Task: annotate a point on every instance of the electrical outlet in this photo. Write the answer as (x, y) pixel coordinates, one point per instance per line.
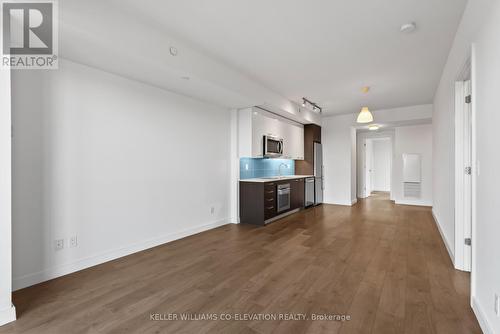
(497, 305)
(73, 241)
(58, 244)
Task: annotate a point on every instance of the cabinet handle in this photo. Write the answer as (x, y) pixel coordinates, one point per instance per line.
(270, 199)
(270, 207)
(270, 192)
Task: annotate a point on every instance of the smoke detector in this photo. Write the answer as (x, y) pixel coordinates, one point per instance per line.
(173, 51)
(408, 27)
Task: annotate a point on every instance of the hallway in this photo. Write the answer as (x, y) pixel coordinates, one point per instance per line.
(383, 265)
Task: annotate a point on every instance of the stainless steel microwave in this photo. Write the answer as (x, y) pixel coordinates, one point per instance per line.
(273, 146)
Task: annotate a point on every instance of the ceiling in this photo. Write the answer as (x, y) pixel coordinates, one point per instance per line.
(325, 50)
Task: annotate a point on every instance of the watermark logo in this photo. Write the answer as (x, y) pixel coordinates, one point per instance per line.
(29, 34)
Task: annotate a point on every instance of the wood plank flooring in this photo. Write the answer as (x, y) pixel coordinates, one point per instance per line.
(382, 264)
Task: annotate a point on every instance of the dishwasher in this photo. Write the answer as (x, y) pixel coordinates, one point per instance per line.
(309, 191)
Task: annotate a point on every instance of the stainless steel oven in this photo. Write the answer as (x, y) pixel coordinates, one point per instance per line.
(283, 197)
(273, 146)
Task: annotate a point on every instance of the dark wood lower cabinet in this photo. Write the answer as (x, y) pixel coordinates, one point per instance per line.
(297, 193)
(258, 200)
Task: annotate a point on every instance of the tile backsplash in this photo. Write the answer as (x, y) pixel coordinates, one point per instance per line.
(253, 167)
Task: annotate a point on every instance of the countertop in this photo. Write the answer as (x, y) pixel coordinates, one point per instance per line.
(274, 179)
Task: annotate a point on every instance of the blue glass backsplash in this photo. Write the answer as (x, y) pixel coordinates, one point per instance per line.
(252, 167)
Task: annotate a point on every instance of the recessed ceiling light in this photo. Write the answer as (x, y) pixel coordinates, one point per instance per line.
(365, 89)
(408, 27)
(373, 127)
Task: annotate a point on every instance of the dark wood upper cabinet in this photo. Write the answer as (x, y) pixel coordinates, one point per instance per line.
(312, 134)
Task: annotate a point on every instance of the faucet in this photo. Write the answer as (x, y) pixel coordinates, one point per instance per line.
(279, 168)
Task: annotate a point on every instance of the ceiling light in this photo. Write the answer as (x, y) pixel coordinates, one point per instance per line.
(408, 27)
(365, 116)
(365, 89)
(173, 51)
(314, 106)
(373, 127)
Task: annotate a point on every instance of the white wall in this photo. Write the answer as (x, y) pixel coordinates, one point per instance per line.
(336, 137)
(381, 165)
(123, 165)
(7, 311)
(479, 26)
(339, 148)
(487, 231)
(418, 140)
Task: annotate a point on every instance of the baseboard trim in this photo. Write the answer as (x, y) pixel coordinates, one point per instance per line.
(338, 203)
(68, 268)
(7, 315)
(413, 203)
(354, 201)
(481, 317)
(445, 240)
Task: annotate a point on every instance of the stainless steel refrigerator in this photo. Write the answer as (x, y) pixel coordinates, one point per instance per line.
(318, 174)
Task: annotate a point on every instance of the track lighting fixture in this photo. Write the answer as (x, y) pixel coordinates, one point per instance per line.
(315, 107)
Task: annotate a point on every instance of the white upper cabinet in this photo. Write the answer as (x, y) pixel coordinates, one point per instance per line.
(254, 124)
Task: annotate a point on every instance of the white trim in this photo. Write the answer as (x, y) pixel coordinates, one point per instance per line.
(68, 268)
(475, 172)
(446, 242)
(481, 317)
(463, 182)
(413, 202)
(7, 315)
(354, 201)
(459, 175)
(338, 203)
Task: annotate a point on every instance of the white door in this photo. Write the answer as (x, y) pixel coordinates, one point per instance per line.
(467, 175)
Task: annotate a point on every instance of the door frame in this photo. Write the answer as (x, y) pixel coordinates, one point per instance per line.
(361, 137)
(464, 191)
(367, 168)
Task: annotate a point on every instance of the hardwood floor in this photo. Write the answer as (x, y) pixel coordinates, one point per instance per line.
(383, 265)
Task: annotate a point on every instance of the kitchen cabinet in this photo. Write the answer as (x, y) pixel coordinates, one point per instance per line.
(258, 200)
(297, 193)
(293, 142)
(312, 134)
(255, 123)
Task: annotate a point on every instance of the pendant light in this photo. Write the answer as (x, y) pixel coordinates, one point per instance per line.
(365, 116)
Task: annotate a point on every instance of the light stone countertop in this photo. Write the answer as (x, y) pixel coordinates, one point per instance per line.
(276, 178)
